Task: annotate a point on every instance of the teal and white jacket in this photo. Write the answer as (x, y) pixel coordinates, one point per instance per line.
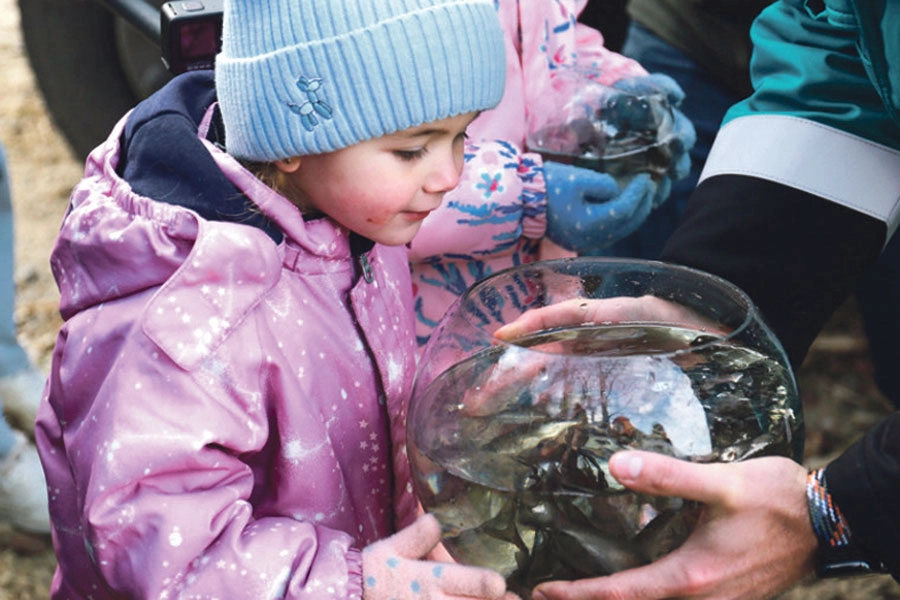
(825, 114)
(800, 194)
(801, 189)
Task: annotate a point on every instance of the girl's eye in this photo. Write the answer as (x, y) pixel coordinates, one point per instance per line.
(410, 155)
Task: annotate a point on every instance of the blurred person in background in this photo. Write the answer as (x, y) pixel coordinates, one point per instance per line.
(23, 491)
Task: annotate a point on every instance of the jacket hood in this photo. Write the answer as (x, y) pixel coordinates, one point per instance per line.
(163, 157)
(159, 191)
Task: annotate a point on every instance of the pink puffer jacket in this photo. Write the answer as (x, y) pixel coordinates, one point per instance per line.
(217, 421)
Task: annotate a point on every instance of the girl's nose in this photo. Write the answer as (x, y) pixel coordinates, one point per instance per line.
(445, 172)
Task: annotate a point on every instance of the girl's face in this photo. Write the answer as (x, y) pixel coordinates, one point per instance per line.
(384, 188)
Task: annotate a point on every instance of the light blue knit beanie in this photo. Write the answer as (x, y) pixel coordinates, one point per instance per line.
(298, 77)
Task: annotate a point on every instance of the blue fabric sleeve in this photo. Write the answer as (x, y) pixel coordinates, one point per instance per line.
(822, 67)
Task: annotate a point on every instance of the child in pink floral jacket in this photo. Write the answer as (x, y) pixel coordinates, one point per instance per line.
(498, 215)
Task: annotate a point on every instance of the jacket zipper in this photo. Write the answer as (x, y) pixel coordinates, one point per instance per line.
(365, 268)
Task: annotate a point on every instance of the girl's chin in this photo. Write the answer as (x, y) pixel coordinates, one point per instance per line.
(399, 237)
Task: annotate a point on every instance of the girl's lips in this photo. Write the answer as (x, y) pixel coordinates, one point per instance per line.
(417, 215)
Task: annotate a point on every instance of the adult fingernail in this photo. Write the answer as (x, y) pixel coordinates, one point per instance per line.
(505, 332)
(630, 465)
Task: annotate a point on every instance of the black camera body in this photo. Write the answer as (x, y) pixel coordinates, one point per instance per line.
(190, 34)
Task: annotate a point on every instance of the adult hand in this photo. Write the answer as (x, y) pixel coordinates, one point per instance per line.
(586, 210)
(584, 311)
(754, 538)
(495, 388)
(393, 569)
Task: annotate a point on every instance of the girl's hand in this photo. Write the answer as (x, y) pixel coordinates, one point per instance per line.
(393, 569)
(586, 210)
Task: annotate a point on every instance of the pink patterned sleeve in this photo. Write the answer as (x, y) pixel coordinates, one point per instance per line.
(610, 66)
(499, 199)
(552, 40)
(494, 219)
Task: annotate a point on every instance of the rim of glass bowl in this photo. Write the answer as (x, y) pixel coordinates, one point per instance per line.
(568, 265)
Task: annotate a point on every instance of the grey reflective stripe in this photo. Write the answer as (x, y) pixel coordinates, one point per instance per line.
(812, 157)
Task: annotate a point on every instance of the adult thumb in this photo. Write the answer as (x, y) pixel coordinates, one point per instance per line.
(661, 475)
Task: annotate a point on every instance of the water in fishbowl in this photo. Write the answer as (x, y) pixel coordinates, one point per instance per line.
(515, 462)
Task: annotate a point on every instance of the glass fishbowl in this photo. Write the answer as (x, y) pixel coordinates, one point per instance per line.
(539, 373)
(604, 128)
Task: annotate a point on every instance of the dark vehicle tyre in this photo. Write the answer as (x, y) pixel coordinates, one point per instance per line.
(90, 65)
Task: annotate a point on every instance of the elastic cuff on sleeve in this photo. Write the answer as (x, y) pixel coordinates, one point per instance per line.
(355, 574)
(534, 196)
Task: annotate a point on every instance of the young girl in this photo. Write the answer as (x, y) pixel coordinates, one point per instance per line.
(226, 408)
(510, 205)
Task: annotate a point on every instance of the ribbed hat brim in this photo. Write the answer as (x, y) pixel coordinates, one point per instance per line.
(429, 61)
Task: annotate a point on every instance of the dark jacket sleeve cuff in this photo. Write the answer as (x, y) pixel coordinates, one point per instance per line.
(864, 482)
(797, 255)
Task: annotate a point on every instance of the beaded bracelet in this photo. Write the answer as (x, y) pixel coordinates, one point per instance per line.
(838, 555)
(828, 523)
